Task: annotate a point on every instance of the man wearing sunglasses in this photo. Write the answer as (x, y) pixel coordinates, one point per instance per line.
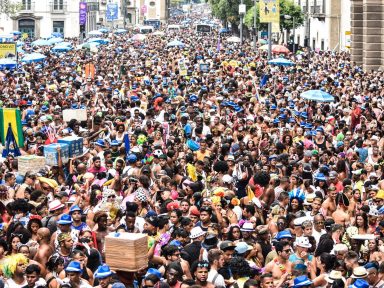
(280, 265)
(201, 274)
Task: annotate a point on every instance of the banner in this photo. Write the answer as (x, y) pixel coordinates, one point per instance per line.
(276, 27)
(112, 12)
(11, 116)
(82, 13)
(269, 11)
(7, 50)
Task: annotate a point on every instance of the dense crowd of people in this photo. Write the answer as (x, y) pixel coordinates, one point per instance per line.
(236, 180)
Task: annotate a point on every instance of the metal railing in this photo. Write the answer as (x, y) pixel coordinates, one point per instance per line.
(58, 7)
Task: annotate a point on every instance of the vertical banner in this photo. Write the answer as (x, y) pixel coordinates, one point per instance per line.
(112, 12)
(269, 11)
(82, 13)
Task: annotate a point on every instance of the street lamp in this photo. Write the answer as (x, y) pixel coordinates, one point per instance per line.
(293, 28)
(242, 11)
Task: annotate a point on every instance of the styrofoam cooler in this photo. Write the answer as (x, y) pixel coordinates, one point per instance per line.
(51, 155)
(30, 163)
(75, 145)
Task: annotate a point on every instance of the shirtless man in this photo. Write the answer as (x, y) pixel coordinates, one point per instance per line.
(341, 215)
(45, 249)
(329, 205)
(279, 266)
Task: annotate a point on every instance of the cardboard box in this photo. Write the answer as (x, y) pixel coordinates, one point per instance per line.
(75, 145)
(127, 251)
(78, 114)
(51, 155)
(30, 163)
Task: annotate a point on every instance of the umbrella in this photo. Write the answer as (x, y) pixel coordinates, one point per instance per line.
(55, 40)
(65, 44)
(98, 40)
(281, 62)
(19, 43)
(57, 35)
(6, 63)
(33, 57)
(121, 31)
(263, 41)
(95, 33)
(175, 43)
(103, 30)
(317, 95)
(41, 42)
(223, 30)
(276, 49)
(158, 33)
(19, 50)
(234, 39)
(139, 37)
(11, 146)
(61, 48)
(16, 33)
(88, 45)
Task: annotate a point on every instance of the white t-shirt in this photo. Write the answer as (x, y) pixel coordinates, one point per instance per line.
(219, 281)
(12, 284)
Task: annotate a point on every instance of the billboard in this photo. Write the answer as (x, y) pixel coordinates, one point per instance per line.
(112, 12)
(7, 50)
(269, 11)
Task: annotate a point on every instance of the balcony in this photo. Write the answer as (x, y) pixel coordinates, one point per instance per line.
(58, 9)
(27, 7)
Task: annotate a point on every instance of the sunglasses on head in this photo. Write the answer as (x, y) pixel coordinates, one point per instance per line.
(202, 265)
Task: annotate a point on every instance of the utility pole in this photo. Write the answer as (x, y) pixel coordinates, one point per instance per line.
(293, 48)
(269, 40)
(124, 13)
(241, 21)
(254, 26)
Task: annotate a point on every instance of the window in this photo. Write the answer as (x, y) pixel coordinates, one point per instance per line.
(58, 26)
(26, 5)
(58, 4)
(152, 3)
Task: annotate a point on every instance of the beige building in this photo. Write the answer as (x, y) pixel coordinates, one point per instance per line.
(367, 45)
(140, 10)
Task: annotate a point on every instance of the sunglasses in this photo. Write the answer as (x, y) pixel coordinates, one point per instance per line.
(203, 265)
(111, 196)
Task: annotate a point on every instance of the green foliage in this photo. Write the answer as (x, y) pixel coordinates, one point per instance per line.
(287, 7)
(228, 10)
(9, 7)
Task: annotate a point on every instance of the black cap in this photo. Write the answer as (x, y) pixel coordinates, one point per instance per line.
(227, 245)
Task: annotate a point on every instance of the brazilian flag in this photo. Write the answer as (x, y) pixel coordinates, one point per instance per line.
(11, 117)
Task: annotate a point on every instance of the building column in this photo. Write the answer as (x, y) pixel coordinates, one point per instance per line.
(357, 31)
(372, 34)
(334, 25)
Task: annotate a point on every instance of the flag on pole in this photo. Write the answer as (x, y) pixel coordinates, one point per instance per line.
(264, 80)
(11, 116)
(127, 144)
(10, 144)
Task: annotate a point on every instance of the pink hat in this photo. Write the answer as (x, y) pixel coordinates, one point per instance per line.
(54, 205)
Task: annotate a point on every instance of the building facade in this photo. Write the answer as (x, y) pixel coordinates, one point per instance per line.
(367, 43)
(40, 18)
(326, 26)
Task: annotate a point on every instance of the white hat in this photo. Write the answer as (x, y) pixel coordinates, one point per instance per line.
(247, 227)
(340, 247)
(54, 205)
(227, 179)
(359, 272)
(334, 275)
(196, 232)
(303, 242)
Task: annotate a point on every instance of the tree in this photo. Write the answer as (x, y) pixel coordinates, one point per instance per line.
(9, 8)
(228, 11)
(287, 7)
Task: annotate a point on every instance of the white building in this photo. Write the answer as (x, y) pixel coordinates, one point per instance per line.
(40, 18)
(328, 24)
